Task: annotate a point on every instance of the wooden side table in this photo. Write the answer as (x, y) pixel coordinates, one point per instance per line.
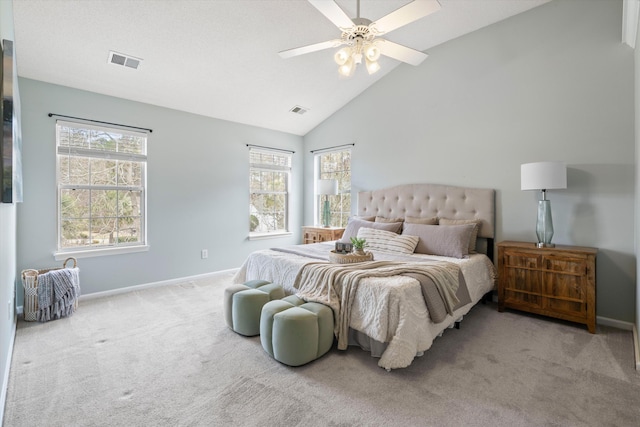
(315, 234)
(558, 282)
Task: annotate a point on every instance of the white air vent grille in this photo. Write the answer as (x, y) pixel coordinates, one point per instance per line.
(124, 60)
(299, 110)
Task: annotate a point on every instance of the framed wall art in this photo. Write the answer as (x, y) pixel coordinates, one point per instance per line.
(11, 144)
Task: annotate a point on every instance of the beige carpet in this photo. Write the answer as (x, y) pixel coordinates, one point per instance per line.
(164, 357)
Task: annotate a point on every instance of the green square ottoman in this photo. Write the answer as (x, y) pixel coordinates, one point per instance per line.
(295, 332)
(243, 304)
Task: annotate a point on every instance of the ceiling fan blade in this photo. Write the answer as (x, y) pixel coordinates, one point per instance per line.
(332, 11)
(309, 48)
(401, 53)
(406, 14)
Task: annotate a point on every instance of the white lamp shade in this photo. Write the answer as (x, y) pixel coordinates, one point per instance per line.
(543, 176)
(327, 187)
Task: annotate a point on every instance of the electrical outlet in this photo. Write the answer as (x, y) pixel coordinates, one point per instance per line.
(10, 310)
(204, 254)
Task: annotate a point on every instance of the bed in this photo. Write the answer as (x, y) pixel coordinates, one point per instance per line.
(390, 316)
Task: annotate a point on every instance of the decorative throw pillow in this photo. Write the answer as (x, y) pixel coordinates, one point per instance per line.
(474, 233)
(420, 220)
(383, 219)
(354, 225)
(443, 240)
(388, 241)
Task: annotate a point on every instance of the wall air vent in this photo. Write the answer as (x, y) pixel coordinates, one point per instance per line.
(124, 60)
(299, 110)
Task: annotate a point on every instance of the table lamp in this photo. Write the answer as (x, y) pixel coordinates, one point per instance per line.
(543, 176)
(326, 188)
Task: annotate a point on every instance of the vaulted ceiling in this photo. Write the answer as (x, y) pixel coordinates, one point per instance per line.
(219, 58)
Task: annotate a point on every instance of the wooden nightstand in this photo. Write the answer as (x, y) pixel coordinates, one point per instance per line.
(313, 234)
(557, 282)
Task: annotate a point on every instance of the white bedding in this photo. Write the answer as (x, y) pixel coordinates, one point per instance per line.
(389, 310)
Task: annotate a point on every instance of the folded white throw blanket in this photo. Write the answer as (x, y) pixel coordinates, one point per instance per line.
(335, 285)
(58, 291)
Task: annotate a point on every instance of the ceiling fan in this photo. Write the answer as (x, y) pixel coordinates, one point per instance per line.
(361, 36)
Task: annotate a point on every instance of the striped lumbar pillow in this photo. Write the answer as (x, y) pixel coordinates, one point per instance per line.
(388, 241)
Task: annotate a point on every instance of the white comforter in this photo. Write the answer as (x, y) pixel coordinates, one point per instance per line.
(389, 310)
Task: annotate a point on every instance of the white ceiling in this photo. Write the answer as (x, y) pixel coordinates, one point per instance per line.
(219, 58)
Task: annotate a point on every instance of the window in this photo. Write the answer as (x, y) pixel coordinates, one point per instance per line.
(101, 174)
(269, 176)
(335, 165)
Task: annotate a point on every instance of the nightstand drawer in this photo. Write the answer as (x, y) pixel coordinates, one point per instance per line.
(576, 266)
(518, 259)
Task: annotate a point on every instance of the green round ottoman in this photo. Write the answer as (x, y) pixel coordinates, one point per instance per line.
(295, 332)
(243, 304)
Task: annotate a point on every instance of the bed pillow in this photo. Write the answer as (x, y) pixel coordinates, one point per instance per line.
(383, 219)
(364, 218)
(444, 240)
(474, 233)
(388, 241)
(354, 225)
(420, 220)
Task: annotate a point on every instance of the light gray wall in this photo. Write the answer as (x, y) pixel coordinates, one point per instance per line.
(8, 273)
(554, 83)
(197, 198)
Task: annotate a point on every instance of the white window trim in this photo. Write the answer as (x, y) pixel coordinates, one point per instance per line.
(271, 235)
(88, 252)
(286, 231)
(100, 251)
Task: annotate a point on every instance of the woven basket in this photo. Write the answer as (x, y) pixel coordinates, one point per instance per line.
(351, 258)
(30, 284)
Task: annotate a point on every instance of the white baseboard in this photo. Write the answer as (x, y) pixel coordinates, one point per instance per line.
(7, 371)
(636, 347)
(614, 323)
(627, 326)
(147, 286)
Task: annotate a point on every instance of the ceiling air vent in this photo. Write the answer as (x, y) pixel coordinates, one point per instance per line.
(299, 110)
(124, 60)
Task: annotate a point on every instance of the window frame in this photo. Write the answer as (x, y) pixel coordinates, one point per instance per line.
(287, 170)
(342, 193)
(115, 248)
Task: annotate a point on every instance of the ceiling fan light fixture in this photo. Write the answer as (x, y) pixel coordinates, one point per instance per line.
(359, 36)
(372, 52)
(372, 66)
(342, 55)
(347, 68)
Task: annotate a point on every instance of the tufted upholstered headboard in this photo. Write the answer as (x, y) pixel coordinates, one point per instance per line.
(430, 200)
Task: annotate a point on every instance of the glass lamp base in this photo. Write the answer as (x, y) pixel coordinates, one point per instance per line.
(544, 226)
(326, 215)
